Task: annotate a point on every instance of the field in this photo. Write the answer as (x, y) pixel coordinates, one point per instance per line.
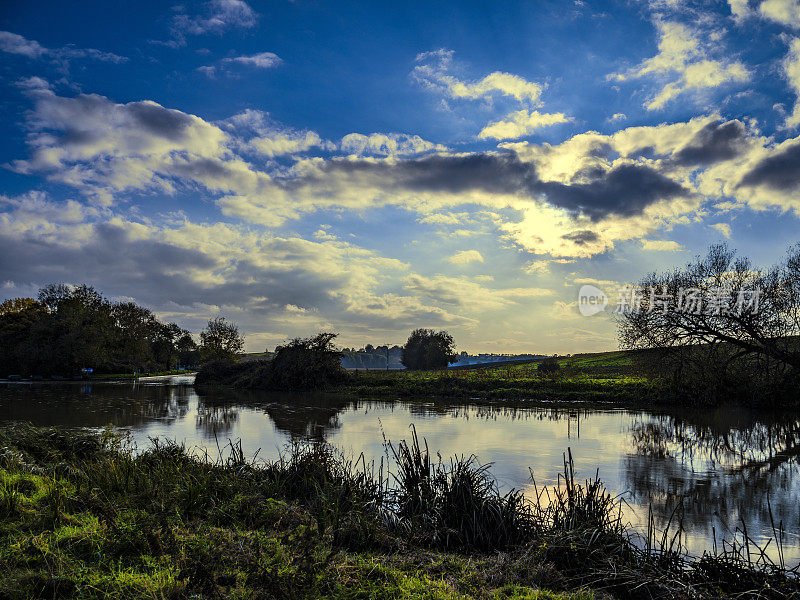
(607, 376)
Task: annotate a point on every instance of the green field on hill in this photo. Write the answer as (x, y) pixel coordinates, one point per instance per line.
(604, 376)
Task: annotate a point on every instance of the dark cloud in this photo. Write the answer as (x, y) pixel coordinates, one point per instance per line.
(780, 171)
(202, 168)
(625, 190)
(582, 237)
(156, 274)
(715, 142)
(164, 122)
(499, 173)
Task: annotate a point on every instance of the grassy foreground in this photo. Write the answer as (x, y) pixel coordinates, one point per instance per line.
(81, 516)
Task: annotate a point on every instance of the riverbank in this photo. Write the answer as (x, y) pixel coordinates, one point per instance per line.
(607, 378)
(83, 516)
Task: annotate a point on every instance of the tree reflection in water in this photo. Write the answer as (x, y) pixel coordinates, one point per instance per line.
(301, 416)
(732, 464)
(91, 405)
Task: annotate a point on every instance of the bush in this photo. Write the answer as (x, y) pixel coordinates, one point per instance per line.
(222, 372)
(307, 364)
(302, 364)
(549, 366)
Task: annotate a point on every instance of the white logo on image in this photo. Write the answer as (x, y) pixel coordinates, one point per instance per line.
(591, 300)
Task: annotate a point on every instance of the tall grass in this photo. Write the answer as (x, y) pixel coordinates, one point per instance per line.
(150, 499)
(455, 503)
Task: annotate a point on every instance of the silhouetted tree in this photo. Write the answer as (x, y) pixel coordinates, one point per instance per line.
(428, 349)
(70, 327)
(220, 340)
(188, 350)
(721, 323)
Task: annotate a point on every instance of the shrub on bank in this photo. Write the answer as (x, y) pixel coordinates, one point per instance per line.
(302, 364)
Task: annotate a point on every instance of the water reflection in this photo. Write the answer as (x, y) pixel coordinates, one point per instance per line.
(722, 469)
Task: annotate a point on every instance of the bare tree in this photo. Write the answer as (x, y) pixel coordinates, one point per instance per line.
(719, 314)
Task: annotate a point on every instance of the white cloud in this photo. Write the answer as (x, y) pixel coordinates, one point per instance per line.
(574, 199)
(464, 257)
(791, 70)
(254, 131)
(387, 144)
(263, 60)
(107, 147)
(785, 12)
(723, 228)
(684, 64)
(218, 17)
(740, 9)
(433, 72)
(16, 44)
(520, 124)
(661, 246)
(537, 267)
(13, 43)
(468, 293)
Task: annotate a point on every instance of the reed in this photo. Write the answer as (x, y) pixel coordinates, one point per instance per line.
(84, 514)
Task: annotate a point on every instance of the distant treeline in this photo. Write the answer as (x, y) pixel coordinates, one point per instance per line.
(65, 329)
(372, 357)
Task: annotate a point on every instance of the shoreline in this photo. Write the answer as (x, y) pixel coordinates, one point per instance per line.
(313, 525)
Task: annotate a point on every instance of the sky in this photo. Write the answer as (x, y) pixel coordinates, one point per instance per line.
(370, 168)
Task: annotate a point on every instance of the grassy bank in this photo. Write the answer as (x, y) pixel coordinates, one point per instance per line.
(615, 377)
(609, 376)
(81, 516)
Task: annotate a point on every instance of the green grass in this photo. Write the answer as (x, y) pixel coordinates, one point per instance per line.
(601, 377)
(81, 516)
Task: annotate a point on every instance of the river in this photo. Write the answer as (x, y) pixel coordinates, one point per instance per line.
(723, 469)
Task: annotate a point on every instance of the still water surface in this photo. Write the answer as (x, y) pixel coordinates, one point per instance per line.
(725, 467)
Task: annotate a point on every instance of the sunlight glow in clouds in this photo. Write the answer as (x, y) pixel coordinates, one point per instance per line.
(206, 162)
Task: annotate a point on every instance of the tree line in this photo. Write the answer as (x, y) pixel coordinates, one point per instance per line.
(65, 329)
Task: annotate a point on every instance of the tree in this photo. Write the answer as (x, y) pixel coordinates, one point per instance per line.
(70, 327)
(548, 366)
(77, 330)
(188, 351)
(220, 340)
(17, 318)
(721, 319)
(428, 349)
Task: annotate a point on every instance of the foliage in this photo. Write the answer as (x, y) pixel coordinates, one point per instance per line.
(220, 340)
(548, 366)
(428, 349)
(302, 364)
(68, 328)
(307, 363)
(456, 504)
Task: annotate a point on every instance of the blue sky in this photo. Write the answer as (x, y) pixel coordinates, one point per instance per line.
(304, 165)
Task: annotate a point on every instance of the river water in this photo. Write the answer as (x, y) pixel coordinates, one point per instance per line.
(724, 470)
